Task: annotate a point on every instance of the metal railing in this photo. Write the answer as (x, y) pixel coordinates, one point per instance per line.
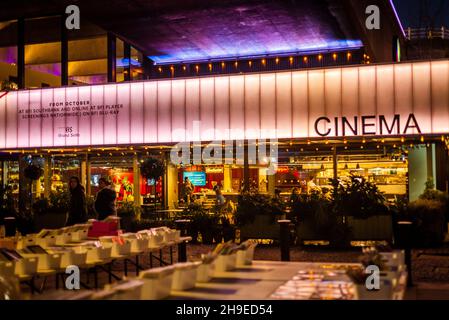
(427, 33)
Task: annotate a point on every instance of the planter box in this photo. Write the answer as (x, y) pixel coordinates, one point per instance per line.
(262, 227)
(50, 221)
(373, 228)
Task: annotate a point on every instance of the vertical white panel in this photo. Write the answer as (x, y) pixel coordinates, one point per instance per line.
(268, 105)
(316, 102)
(385, 97)
(123, 116)
(222, 108)
(350, 98)
(333, 96)
(300, 104)
(23, 123)
(47, 136)
(367, 90)
(2, 121)
(422, 97)
(164, 111)
(207, 108)
(110, 122)
(440, 96)
(192, 109)
(150, 104)
(178, 110)
(403, 90)
(97, 120)
(252, 105)
(59, 123)
(72, 120)
(11, 119)
(136, 112)
(36, 123)
(237, 105)
(284, 104)
(85, 119)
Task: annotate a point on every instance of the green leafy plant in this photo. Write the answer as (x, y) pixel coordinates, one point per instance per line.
(314, 214)
(59, 201)
(202, 222)
(128, 212)
(428, 218)
(225, 223)
(358, 198)
(128, 209)
(251, 204)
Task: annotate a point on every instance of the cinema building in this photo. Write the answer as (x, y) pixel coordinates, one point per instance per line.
(113, 97)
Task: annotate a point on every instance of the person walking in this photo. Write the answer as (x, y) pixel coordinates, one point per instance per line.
(77, 210)
(105, 200)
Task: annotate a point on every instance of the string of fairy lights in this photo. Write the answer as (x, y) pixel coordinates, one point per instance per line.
(263, 63)
(287, 145)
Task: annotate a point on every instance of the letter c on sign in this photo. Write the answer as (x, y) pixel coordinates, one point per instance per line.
(316, 126)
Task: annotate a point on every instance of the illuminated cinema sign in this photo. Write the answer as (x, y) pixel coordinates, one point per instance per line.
(366, 125)
(388, 99)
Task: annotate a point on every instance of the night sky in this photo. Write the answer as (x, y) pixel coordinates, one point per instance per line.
(423, 13)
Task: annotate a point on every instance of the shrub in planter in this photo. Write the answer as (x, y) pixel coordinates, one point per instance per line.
(201, 222)
(428, 217)
(251, 204)
(128, 213)
(51, 213)
(437, 195)
(358, 198)
(226, 225)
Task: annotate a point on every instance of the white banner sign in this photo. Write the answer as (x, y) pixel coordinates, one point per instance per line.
(395, 99)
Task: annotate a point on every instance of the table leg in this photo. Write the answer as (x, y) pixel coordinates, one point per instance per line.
(182, 251)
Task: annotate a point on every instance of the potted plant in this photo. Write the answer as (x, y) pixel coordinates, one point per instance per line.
(225, 222)
(363, 208)
(51, 213)
(311, 213)
(128, 213)
(202, 222)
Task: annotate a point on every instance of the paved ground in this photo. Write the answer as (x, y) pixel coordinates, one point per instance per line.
(430, 270)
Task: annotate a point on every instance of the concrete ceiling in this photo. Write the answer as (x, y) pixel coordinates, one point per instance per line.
(187, 30)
